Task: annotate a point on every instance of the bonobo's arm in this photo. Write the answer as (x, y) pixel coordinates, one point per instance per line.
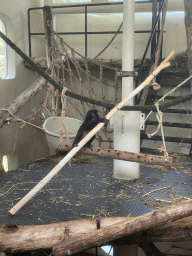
(91, 124)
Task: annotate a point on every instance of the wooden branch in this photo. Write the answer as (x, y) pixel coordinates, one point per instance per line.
(21, 100)
(121, 155)
(116, 231)
(16, 238)
(67, 158)
(48, 27)
(150, 249)
(188, 26)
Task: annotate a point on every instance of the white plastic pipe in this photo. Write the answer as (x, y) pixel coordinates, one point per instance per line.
(127, 124)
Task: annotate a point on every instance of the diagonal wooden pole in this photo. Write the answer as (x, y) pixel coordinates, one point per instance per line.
(58, 167)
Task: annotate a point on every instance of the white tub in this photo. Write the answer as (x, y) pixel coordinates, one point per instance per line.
(53, 125)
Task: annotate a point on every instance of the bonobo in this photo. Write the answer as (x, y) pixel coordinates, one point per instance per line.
(91, 120)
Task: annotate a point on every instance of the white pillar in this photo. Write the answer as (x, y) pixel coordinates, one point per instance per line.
(127, 123)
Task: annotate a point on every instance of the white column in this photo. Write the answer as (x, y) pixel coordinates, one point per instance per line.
(127, 123)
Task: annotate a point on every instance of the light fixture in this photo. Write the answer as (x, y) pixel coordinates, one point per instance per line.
(9, 163)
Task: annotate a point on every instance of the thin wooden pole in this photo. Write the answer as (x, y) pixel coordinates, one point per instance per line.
(58, 167)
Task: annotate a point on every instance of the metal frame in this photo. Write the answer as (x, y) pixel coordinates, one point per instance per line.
(153, 39)
(86, 33)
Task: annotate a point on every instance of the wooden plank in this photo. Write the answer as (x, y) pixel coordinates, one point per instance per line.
(121, 155)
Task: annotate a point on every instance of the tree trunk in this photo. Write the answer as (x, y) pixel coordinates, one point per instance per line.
(128, 227)
(179, 230)
(48, 27)
(16, 238)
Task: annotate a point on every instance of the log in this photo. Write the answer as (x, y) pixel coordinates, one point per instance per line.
(68, 157)
(128, 227)
(42, 237)
(179, 230)
(188, 26)
(48, 27)
(15, 106)
(15, 238)
(150, 249)
(121, 155)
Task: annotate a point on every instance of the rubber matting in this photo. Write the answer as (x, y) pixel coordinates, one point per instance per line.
(88, 190)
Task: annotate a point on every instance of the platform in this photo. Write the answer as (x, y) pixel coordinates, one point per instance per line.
(87, 190)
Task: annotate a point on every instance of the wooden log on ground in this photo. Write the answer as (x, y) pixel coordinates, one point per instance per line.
(116, 231)
(21, 100)
(121, 155)
(16, 238)
(180, 230)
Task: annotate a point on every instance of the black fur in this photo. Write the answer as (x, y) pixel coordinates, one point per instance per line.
(91, 120)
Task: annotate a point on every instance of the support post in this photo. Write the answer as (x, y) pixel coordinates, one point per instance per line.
(127, 124)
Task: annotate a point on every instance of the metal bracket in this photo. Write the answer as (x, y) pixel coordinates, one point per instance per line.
(127, 73)
(142, 121)
(8, 120)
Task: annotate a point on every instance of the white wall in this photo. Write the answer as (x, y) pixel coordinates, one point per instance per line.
(29, 144)
(174, 38)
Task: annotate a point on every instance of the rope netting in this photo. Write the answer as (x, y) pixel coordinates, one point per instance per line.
(87, 83)
(85, 77)
(82, 76)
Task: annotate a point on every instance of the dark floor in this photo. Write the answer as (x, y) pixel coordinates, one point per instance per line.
(88, 189)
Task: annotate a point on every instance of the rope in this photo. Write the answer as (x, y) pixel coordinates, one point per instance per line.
(17, 119)
(31, 63)
(161, 36)
(61, 71)
(109, 42)
(159, 117)
(87, 99)
(173, 102)
(155, 85)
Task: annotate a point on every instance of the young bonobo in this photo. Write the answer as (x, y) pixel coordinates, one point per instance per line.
(91, 120)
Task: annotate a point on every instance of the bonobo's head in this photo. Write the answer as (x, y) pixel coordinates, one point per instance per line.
(92, 114)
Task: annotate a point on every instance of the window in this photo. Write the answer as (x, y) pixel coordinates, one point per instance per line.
(7, 54)
(3, 50)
